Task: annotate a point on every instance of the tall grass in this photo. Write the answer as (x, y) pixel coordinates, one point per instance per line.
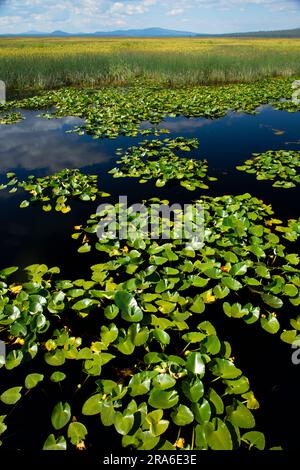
(44, 65)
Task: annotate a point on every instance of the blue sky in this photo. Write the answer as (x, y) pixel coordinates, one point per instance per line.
(203, 16)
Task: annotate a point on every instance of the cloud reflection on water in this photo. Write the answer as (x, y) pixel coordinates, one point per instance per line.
(38, 143)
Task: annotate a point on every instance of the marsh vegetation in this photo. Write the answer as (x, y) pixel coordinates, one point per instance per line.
(139, 345)
(41, 64)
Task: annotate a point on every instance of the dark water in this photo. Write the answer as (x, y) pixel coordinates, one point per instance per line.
(41, 147)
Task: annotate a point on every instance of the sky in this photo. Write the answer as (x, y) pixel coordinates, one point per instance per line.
(200, 16)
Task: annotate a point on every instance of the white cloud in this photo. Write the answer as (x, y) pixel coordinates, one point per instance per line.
(8, 20)
(175, 12)
(270, 4)
(131, 8)
(100, 15)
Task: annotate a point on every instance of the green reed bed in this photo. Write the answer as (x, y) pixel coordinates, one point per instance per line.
(218, 66)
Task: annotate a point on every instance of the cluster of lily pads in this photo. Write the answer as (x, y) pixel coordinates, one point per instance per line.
(151, 302)
(11, 118)
(157, 160)
(280, 166)
(135, 345)
(57, 189)
(114, 111)
(166, 401)
(242, 252)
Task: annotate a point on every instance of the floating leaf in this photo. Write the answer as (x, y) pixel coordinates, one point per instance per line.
(123, 423)
(11, 396)
(218, 436)
(61, 415)
(128, 305)
(76, 432)
(195, 364)
(157, 425)
(255, 439)
(272, 300)
(55, 444)
(58, 376)
(93, 405)
(240, 416)
(163, 399)
(270, 324)
(182, 416)
(32, 380)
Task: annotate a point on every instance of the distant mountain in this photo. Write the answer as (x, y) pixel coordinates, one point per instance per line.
(32, 32)
(148, 32)
(161, 32)
(41, 34)
(59, 33)
(285, 33)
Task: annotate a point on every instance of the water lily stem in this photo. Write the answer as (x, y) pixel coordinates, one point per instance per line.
(193, 439)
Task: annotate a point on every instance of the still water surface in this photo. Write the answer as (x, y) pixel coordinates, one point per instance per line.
(42, 147)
